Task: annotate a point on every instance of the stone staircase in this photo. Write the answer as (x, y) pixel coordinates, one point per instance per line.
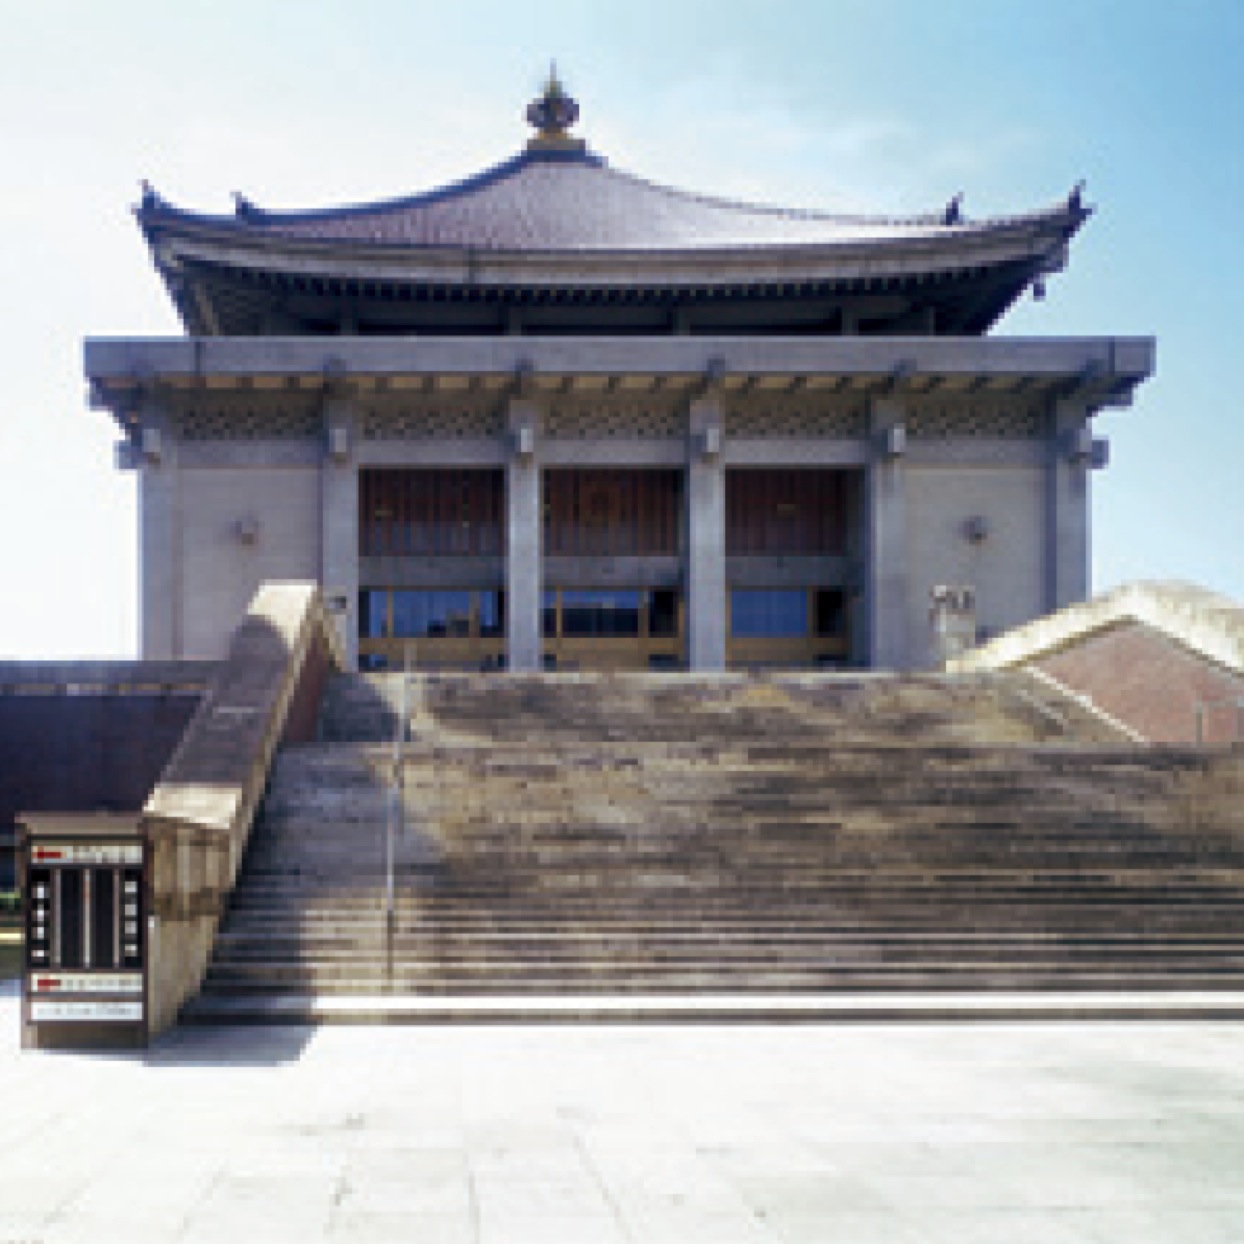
(658, 835)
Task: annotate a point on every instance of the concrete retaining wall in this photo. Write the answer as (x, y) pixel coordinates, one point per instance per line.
(88, 736)
(199, 816)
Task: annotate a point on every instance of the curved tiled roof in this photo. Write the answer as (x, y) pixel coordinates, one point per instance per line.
(573, 201)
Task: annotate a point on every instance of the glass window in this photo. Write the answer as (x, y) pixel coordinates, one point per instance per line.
(431, 615)
(492, 614)
(548, 612)
(831, 612)
(663, 613)
(588, 614)
(773, 614)
(372, 606)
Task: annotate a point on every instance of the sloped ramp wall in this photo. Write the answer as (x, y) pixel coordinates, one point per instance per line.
(1152, 682)
(1165, 659)
(199, 816)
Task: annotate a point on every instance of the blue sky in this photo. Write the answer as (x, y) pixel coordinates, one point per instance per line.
(888, 107)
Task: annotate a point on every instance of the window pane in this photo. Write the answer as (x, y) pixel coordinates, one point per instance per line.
(371, 614)
(548, 604)
(663, 613)
(451, 614)
(600, 614)
(492, 614)
(777, 614)
(831, 612)
(409, 614)
(431, 615)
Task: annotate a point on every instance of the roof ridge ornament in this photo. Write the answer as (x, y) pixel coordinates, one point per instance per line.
(552, 115)
(244, 208)
(152, 200)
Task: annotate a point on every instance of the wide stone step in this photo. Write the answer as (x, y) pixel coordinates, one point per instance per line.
(631, 956)
(616, 835)
(570, 890)
(919, 977)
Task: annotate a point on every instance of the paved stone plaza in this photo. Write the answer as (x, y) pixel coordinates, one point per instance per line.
(592, 1134)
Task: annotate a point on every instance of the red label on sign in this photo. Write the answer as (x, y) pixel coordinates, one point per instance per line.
(42, 853)
(46, 982)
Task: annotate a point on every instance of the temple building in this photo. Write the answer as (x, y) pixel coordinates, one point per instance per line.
(557, 416)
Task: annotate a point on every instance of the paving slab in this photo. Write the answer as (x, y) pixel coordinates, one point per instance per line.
(1038, 1130)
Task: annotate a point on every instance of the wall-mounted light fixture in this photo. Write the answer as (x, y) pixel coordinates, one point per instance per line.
(710, 443)
(339, 443)
(892, 442)
(151, 445)
(976, 529)
(246, 529)
(1084, 449)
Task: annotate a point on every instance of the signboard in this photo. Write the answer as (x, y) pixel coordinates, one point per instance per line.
(86, 930)
(93, 1012)
(86, 853)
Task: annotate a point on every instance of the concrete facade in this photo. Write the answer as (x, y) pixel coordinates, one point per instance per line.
(970, 462)
(977, 526)
(241, 528)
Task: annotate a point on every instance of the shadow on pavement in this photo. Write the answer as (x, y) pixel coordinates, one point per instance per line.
(234, 1045)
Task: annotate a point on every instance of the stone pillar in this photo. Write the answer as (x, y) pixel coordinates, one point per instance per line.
(1067, 491)
(339, 521)
(706, 536)
(523, 529)
(886, 586)
(159, 535)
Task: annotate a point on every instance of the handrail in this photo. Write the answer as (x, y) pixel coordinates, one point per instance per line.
(1201, 713)
(395, 817)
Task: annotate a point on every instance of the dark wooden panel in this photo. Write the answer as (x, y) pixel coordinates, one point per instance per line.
(431, 513)
(611, 513)
(796, 512)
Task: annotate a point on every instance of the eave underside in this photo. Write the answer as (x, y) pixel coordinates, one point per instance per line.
(218, 300)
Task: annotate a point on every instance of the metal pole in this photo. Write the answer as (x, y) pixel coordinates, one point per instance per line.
(393, 822)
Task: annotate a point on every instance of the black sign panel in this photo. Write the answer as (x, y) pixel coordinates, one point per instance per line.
(85, 932)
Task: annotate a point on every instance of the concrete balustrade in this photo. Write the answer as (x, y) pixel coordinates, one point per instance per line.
(199, 816)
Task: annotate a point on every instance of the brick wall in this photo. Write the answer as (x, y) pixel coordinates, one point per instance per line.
(1150, 682)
